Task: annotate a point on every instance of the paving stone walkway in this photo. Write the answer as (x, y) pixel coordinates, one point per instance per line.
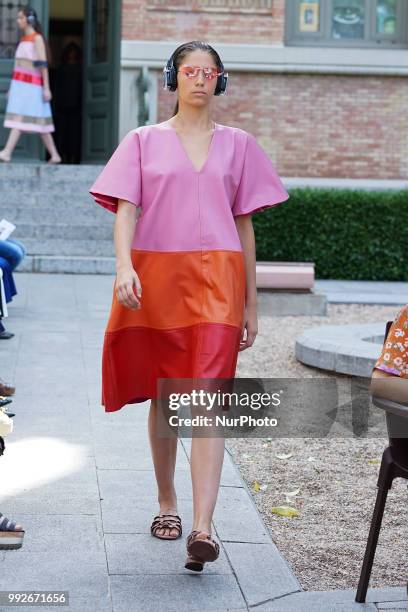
(82, 483)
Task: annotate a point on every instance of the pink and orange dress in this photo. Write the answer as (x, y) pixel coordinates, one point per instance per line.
(187, 253)
(26, 108)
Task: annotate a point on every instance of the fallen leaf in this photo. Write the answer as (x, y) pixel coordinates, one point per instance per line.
(283, 455)
(256, 486)
(374, 461)
(285, 511)
(290, 493)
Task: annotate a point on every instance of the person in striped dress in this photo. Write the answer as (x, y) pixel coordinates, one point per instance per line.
(28, 105)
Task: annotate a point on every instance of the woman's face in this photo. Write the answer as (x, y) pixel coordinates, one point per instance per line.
(188, 86)
(21, 20)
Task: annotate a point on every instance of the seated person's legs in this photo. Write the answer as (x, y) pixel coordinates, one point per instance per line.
(19, 244)
(390, 374)
(11, 252)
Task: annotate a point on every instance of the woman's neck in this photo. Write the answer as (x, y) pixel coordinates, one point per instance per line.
(28, 30)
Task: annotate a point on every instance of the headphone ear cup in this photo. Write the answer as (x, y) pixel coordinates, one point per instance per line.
(173, 79)
(31, 17)
(170, 76)
(221, 85)
(224, 82)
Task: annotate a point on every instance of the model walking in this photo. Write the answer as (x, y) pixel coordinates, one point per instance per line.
(28, 105)
(185, 290)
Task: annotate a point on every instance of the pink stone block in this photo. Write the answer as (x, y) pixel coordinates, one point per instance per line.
(285, 275)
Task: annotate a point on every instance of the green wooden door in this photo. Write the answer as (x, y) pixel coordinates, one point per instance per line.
(30, 146)
(100, 111)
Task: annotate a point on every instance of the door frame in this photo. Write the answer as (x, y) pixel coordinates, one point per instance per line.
(114, 48)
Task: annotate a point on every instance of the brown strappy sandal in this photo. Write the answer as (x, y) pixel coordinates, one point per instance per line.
(166, 521)
(200, 548)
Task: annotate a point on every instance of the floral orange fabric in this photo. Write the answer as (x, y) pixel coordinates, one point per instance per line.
(394, 355)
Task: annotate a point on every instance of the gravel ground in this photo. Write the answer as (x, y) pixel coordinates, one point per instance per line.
(337, 477)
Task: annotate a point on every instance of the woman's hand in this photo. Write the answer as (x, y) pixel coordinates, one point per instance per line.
(47, 95)
(251, 326)
(126, 280)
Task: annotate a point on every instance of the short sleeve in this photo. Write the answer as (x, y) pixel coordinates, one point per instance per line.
(260, 186)
(121, 176)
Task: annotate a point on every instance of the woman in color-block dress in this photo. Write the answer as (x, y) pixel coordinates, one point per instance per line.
(184, 300)
(28, 103)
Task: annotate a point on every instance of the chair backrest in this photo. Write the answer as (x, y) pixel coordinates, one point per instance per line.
(387, 329)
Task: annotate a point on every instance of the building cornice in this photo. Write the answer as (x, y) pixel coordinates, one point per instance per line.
(277, 58)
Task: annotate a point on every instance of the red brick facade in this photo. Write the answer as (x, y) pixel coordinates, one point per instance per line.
(312, 125)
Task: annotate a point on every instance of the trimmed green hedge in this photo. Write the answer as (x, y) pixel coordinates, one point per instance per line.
(348, 234)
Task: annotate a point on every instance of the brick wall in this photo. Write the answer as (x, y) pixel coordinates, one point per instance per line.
(310, 124)
(223, 20)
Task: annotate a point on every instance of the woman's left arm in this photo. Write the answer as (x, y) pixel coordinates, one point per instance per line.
(247, 237)
(42, 56)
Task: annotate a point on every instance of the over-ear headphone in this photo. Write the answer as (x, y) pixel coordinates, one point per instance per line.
(31, 16)
(170, 76)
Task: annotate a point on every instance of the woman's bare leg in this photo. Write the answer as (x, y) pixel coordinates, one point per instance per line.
(389, 386)
(51, 148)
(207, 456)
(12, 140)
(164, 455)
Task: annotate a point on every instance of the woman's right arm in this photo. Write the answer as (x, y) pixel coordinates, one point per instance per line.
(389, 386)
(126, 276)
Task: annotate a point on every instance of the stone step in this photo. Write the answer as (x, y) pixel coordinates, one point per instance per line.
(82, 215)
(48, 199)
(68, 264)
(61, 172)
(30, 181)
(28, 185)
(47, 231)
(71, 247)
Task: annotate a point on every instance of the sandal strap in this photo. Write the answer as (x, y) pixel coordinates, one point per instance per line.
(194, 534)
(175, 516)
(172, 519)
(166, 524)
(159, 522)
(7, 524)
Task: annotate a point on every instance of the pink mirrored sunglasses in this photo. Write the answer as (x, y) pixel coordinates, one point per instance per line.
(192, 71)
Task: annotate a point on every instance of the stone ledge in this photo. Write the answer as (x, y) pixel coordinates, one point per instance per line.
(272, 302)
(347, 349)
(285, 275)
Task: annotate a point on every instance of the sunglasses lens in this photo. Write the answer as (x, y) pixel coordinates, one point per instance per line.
(192, 71)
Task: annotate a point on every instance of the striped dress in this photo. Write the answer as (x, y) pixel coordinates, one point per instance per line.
(187, 253)
(26, 108)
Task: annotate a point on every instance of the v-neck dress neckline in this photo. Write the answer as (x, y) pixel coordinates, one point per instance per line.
(171, 128)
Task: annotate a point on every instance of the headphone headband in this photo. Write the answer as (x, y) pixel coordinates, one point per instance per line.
(170, 76)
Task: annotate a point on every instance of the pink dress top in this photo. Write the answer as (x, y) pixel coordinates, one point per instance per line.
(187, 253)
